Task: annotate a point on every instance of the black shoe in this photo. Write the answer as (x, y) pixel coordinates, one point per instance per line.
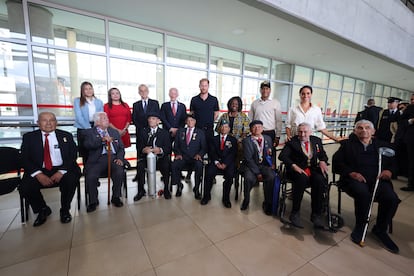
(317, 221)
(267, 209)
(407, 189)
(204, 201)
(226, 203)
(91, 208)
(167, 194)
(138, 196)
(116, 201)
(356, 235)
(98, 184)
(385, 240)
(42, 216)
(244, 205)
(65, 216)
(295, 220)
(179, 190)
(135, 178)
(197, 194)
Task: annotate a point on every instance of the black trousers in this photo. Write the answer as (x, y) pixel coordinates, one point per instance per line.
(30, 190)
(211, 172)
(268, 182)
(410, 169)
(178, 165)
(163, 165)
(362, 193)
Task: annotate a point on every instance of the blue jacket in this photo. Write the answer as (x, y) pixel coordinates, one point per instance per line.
(82, 113)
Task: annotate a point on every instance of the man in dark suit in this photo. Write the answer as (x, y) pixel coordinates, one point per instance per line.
(189, 148)
(370, 113)
(407, 122)
(173, 114)
(156, 140)
(305, 161)
(222, 153)
(97, 141)
(49, 159)
(141, 109)
(388, 121)
(258, 156)
(357, 163)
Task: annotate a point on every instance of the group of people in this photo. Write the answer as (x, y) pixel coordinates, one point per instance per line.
(243, 142)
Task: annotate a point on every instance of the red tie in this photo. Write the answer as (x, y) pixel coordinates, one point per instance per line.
(174, 110)
(46, 154)
(307, 146)
(259, 141)
(188, 138)
(222, 143)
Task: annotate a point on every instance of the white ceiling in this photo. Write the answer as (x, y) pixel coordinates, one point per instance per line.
(265, 31)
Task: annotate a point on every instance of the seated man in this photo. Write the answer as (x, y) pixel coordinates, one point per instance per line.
(305, 161)
(156, 140)
(49, 159)
(189, 148)
(357, 163)
(96, 142)
(222, 154)
(258, 157)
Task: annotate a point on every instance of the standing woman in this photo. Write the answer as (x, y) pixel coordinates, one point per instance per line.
(238, 121)
(306, 112)
(85, 106)
(119, 115)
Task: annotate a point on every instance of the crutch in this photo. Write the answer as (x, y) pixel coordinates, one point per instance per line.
(388, 153)
(109, 151)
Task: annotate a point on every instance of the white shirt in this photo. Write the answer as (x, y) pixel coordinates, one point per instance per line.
(54, 150)
(269, 112)
(91, 108)
(296, 115)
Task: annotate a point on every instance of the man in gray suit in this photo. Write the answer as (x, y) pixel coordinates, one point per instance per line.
(96, 142)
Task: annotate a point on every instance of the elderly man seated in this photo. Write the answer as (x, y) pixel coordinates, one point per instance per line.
(97, 141)
(305, 161)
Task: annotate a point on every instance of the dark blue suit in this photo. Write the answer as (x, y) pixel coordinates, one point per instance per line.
(168, 118)
(196, 146)
(226, 156)
(139, 117)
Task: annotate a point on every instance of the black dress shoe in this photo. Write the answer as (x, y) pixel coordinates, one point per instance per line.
(227, 203)
(267, 209)
(91, 207)
(204, 201)
(197, 194)
(356, 235)
(42, 216)
(385, 240)
(317, 221)
(179, 190)
(407, 189)
(116, 201)
(295, 220)
(65, 216)
(167, 194)
(138, 196)
(244, 205)
(135, 178)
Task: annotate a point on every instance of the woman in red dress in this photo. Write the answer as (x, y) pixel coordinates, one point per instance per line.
(119, 115)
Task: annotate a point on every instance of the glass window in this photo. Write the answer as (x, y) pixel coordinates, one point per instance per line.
(302, 75)
(333, 103)
(387, 92)
(320, 79)
(11, 22)
(281, 71)
(225, 87)
(15, 91)
(295, 95)
(251, 92)
(127, 75)
(256, 66)
(335, 81)
(225, 60)
(66, 29)
(378, 90)
(360, 86)
(346, 105)
(135, 43)
(357, 104)
(186, 52)
(319, 98)
(349, 84)
(281, 92)
(186, 81)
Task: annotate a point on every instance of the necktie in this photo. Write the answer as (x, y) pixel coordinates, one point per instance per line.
(222, 143)
(46, 154)
(174, 110)
(145, 106)
(307, 146)
(188, 138)
(259, 141)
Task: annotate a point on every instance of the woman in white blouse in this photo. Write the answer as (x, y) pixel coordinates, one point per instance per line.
(306, 112)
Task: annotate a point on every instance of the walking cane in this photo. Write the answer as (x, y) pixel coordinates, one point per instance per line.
(109, 151)
(388, 153)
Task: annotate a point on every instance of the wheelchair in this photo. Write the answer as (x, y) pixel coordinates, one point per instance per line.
(334, 221)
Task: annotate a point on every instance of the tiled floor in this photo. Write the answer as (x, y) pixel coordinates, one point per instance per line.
(181, 237)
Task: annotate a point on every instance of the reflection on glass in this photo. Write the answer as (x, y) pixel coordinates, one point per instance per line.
(378, 90)
(349, 84)
(251, 92)
(256, 66)
(360, 86)
(225, 60)
(332, 104)
(281, 93)
(357, 104)
(318, 98)
(12, 24)
(186, 52)
(346, 104)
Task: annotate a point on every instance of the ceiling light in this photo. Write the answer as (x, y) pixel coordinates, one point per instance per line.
(238, 31)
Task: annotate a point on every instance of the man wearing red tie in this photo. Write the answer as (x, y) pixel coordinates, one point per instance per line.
(173, 114)
(49, 159)
(222, 153)
(305, 160)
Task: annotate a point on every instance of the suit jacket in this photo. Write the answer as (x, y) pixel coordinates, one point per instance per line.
(407, 130)
(139, 118)
(171, 121)
(197, 144)
(251, 153)
(93, 143)
(32, 152)
(292, 153)
(161, 138)
(226, 156)
(370, 113)
(345, 160)
(384, 125)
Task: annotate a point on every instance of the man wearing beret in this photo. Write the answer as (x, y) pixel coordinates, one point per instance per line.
(258, 161)
(156, 140)
(388, 119)
(222, 153)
